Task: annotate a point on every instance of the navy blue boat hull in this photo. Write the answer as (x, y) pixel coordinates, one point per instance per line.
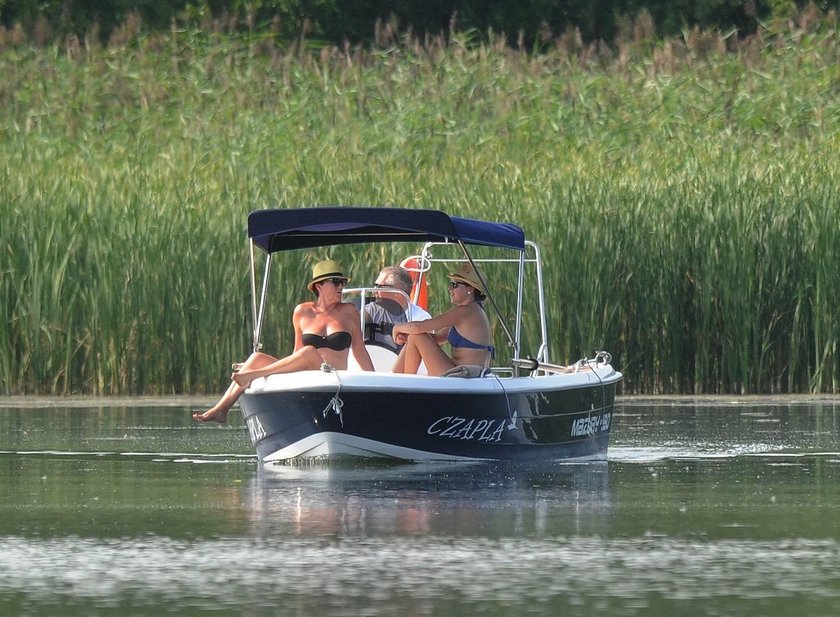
(428, 425)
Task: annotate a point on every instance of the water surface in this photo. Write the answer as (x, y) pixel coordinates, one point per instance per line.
(704, 507)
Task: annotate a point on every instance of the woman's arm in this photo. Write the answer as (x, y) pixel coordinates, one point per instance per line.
(296, 318)
(444, 320)
(441, 336)
(357, 340)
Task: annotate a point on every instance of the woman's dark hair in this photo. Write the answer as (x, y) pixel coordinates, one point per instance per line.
(479, 297)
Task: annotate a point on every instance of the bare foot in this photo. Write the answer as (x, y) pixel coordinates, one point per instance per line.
(243, 378)
(212, 415)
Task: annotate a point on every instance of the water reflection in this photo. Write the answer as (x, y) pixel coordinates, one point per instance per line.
(479, 499)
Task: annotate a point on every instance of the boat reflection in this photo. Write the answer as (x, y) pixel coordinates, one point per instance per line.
(477, 499)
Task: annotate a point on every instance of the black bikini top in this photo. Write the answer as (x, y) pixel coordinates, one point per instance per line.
(337, 341)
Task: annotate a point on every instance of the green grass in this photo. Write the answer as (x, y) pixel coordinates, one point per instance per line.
(685, 194)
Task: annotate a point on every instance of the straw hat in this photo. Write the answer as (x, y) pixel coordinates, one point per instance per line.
(326, 269)
(467, 274)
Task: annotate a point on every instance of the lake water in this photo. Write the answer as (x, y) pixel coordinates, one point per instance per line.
(704, 507)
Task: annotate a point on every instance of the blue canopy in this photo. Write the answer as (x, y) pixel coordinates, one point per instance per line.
(297, 228)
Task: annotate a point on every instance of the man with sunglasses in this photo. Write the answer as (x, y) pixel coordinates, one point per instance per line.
(392, 306)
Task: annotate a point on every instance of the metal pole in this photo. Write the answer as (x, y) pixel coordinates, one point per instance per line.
(544, 355)
(254, 316)
(263, 295)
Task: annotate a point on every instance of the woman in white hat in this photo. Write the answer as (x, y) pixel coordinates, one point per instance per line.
(465, 327)
(325, 332)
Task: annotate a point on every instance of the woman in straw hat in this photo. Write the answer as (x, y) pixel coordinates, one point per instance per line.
(465, 327)
(325, 332)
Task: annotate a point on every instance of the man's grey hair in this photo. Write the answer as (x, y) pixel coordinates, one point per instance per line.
(394, 276)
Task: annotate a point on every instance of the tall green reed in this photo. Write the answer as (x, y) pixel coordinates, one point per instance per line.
(685, 198)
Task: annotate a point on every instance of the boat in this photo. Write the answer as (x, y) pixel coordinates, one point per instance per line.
(525, 409)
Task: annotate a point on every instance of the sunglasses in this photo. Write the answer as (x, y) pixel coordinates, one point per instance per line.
(336, 281)
(456, 285)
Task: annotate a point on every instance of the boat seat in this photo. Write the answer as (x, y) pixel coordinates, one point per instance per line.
(468, 371)
(374, 328)
(383, 359)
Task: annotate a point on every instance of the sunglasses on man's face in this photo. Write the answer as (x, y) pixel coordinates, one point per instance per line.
(337, 281)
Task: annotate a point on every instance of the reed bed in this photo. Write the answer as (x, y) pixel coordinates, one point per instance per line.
(685, 193)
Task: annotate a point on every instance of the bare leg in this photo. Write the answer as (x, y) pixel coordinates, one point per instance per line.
(219, 411)
(304, 359)
(411, 356)
(423, 348)
(258, 365)
(399, 363)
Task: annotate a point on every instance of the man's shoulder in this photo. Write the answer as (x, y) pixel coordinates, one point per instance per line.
(379, 314)
(373, 308)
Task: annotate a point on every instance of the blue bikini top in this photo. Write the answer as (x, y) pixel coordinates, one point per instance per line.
(456, 339)
(337, 341)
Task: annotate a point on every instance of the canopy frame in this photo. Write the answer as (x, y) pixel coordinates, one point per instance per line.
(278, 230)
